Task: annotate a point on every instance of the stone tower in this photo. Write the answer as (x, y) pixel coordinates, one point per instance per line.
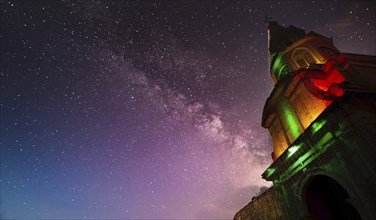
(321, 116)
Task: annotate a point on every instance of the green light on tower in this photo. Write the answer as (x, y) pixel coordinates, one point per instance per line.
(279, 67)
(278, 63)
(318, 125)
(293, 149)
(292, 122)
(270, 171)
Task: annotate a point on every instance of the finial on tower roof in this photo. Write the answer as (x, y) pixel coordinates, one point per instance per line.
(267, 19)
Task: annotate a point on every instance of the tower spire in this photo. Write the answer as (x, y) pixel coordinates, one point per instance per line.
(280, 37)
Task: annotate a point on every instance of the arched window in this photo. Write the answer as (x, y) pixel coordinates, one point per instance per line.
(303, 57)
(327, 199)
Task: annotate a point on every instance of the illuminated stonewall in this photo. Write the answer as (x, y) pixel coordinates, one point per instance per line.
(321, 116)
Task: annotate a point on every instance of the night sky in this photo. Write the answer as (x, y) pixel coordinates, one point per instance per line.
(143, 109)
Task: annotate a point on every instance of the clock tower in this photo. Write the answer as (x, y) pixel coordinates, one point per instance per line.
(321, 116)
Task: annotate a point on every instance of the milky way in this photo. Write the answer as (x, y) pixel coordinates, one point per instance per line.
(132, 109)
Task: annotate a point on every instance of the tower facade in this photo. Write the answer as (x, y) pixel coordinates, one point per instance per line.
(321, 116)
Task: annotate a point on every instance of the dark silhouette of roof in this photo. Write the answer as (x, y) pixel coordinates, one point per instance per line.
(281, 37)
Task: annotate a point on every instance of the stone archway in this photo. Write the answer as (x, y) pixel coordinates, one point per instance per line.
(326, 199)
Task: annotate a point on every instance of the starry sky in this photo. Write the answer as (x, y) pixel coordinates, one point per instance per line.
(145, 109)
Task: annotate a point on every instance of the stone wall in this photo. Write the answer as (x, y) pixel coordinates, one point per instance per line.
(267, 206)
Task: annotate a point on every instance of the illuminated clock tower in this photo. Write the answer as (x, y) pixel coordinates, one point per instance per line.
(321, 116)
